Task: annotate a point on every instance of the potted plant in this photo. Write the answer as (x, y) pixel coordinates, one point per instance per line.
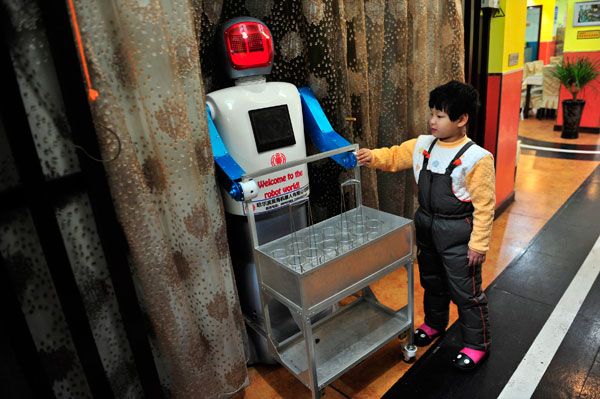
(574, 75)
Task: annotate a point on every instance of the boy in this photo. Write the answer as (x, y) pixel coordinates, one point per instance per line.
(456, 181)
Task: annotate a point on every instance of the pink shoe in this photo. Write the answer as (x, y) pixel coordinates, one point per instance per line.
(425, 335)
(468, 359)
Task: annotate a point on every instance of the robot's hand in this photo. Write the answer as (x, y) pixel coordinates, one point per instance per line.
(250, 189)
(244, 191)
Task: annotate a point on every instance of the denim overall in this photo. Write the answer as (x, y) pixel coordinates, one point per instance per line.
(443, 227)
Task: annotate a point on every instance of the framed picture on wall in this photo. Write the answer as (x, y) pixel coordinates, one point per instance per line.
(586, 13)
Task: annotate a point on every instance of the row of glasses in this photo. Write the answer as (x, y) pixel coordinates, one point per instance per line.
(313, 246)
(305, 250)
(301, 256)
(361, 230)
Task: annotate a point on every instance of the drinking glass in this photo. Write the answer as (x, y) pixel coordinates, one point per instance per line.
(328, 232)
(280, 254)
(359, 231)
(355, 218)
(345, 241)
(313, 255)
(342, 226)
(313, 239)
(296, 262)
(329, 254)
(296, 247)
(373, 228)
(330, 243)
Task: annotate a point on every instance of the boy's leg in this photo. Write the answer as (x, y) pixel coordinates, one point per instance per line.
(464, 284)
(436, 300)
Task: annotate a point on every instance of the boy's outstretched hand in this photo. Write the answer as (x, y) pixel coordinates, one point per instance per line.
(475, 258)
(364, 156)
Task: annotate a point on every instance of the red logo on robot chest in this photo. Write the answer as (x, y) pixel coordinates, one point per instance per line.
(278, 159)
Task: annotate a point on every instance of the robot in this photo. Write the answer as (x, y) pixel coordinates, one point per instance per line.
(256, 125)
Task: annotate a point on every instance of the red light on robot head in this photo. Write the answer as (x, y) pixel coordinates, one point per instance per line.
(249, 45)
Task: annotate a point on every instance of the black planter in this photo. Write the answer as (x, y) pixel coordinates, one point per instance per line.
(572, 111)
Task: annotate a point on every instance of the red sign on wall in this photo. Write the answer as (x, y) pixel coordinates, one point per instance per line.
(588, 34)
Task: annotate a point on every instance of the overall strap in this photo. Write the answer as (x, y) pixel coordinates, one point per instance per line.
(426, 154)
(456, 161)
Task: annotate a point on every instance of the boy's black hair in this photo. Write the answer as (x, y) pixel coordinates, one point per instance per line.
(455, 98)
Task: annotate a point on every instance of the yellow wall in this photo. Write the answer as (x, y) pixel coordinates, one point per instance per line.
(496, 50)
(508, 37)
(547, 17)
(571, 42)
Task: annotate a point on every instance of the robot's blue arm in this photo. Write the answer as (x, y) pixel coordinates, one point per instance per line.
(320, 131)
(230, 173)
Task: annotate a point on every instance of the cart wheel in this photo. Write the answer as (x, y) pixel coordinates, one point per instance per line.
(409, 353)
(408, 360)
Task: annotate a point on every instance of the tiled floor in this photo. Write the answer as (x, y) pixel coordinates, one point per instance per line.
(542, 185)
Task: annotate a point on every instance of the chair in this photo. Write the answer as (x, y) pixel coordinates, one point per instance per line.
(527, 70)
(535, 100)
(538, 66)
(556, 60)
(550, 89)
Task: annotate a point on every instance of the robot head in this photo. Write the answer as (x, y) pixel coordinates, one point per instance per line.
(248, 46)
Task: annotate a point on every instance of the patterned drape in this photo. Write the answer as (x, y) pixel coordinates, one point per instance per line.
(370, 63)
(373, 61)
(20, 243)
(143, 60)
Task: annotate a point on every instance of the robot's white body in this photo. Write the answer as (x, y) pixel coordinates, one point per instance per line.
(240, 114)
(254, 126)
(246, 117)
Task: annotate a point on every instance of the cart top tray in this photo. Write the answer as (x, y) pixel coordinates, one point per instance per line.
(331, 275)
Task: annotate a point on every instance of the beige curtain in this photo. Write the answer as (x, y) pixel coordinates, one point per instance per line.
(143, 60)
(370, 63)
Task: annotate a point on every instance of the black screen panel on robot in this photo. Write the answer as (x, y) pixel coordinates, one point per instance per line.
(272, 128)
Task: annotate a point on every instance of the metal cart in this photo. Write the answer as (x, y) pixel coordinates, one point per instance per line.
(322, 351)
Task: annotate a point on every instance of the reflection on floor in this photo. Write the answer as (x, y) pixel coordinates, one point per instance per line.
(543, 130)
(542, 186)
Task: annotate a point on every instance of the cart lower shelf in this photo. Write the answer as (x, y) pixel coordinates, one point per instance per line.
(344, 339)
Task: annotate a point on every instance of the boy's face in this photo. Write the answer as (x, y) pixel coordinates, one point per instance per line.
(445, 129)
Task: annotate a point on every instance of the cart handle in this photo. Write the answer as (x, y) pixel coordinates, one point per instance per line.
(350, 181)
(301, 161)
(357, 191)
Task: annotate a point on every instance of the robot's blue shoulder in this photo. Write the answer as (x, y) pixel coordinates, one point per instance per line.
(320, 131)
